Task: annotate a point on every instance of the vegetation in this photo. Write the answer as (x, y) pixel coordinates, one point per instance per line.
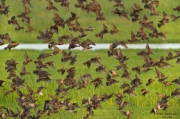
(140, 105)
(42, 19)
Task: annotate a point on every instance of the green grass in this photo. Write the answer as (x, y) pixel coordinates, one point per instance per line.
(140, 105)
(42, 19)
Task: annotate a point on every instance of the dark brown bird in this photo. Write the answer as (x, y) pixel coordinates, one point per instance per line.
(56, 50)
(15, 23)
(90, 28)
(121, 66)
(46, 35)
(150, 81)
(125, 85)
(177, 54)
(137, 69)
(155, 2)
(112, 51)
(135, 18)
(137, 7)
(100, 16)
(126, 74)
(148, 49)
(94, 6)
(101, 69)
(120, 57)
(86, 44)
(88, 63)
(148, 6)
(4, 9)
(24, 18)
(129, 91)
(44, 56)
(5, 36)
(174, 17)
(26, 2)
(39, 90)
(97, 81)
(104, 31)
(50, 64)
(27, 59)
(1, 82)
(146, 23)
(135, 12)
(81, 4)
(96, 61)
(60, 41)
(9, 113)
(119, 4)
(105, 96)
(116, 43)
(114, 29)
(30, 28)
(54, 29)
(144, 92)
(82, 84)
(161, 63)
(177, 8)
(75, 27)
(178, 60)
(126, 113)
(176, 92)
(154, 33)
(160, 75)
(113, 73)
(136, 82)
(153, 12)
(163, 20)
(57, 18)
(23, 71)
(167, 83)
(146, 69)
(51, 6)
(73, 60)
(62, 70)
(162, 35)
(170, 56)
(26, 10)
(176, 81)
(122, 105)
(72, 18)
(124, 14)
(58, 21)
(66, 56)
(110, 80)
(86, 76)
(133, 38)
(65, 3)
(154, 110)
(11, 45)
(116, 11)
(119, 98)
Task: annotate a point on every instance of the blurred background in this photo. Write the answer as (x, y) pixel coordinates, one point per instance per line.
(41, 19)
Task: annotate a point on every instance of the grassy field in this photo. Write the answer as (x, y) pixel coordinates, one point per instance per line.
(42, 19)
(139, 105)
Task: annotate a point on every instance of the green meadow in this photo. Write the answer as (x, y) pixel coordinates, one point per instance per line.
(139, 105)
(42, 19)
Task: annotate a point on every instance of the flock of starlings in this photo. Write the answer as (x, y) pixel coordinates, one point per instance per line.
(27, 102)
